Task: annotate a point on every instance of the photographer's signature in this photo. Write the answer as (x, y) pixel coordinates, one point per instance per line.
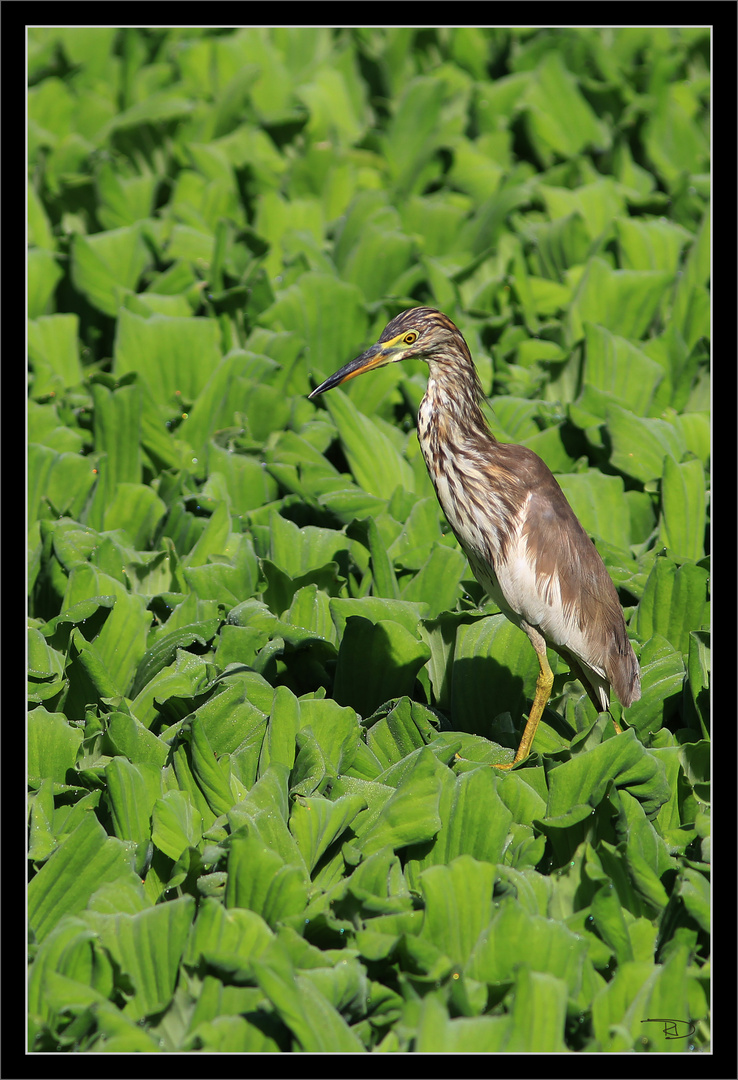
(673, 1029)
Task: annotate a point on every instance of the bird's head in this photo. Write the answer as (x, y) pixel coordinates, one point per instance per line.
(421, 333)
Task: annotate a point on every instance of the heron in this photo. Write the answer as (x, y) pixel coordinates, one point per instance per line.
(523, 541)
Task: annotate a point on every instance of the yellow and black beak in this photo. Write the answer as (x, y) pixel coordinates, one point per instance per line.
(377, 356)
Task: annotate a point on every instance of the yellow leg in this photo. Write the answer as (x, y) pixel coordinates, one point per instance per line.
(544, 683)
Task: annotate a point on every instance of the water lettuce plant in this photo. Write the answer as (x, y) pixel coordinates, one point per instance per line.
(264, 687)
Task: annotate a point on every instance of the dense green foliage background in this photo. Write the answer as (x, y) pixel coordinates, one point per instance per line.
(264, 697)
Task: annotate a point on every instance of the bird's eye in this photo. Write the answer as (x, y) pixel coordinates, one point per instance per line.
(410, 337)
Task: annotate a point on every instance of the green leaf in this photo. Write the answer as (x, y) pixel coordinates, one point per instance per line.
(130, 738)
(376, 609)
(132, 792)
(437, 1034)
(640, 445)
(374, 461)
(172, 356)
(414, 132)
(315, 1024)
(609, 923)
(335, 727)
(332, 103)
(624, 301)
(458, 905)
(617, 367)
(57, 483)
(650, 244)
(690, 312)
(698, 675)
(376, 662)
(44, 273)
(67, 952)
(566, 127)
(125, 200)
(52, 341)
(662, 683)
(410, 814)
(683, 517)
(85, 860)
(214, 538)
(134, 508)
(439, 578)
(694, 890)
(41, 838)
(560, 243)
(121, 642)
(639, 991)
(165, 649)
(236, 377)
(598, 502)
(676, 142)
(621, 761)
(404, 727)
(384, 579)
(52, 745)
(327, 314)
(494, 670)
(231, 1035)
(117, 430)
(539, 997)
(210, 777)
(316, 824)
(298, 550)
(260, 880)
(284, 723)
(512, 939)
(476, 821)
(674, 602)
(220, 934)
(176, 824)
(107, 265)
(148, 947)
(598, 202)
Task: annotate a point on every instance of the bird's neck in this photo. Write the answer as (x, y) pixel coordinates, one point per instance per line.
(459, 451)
(451, 407)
